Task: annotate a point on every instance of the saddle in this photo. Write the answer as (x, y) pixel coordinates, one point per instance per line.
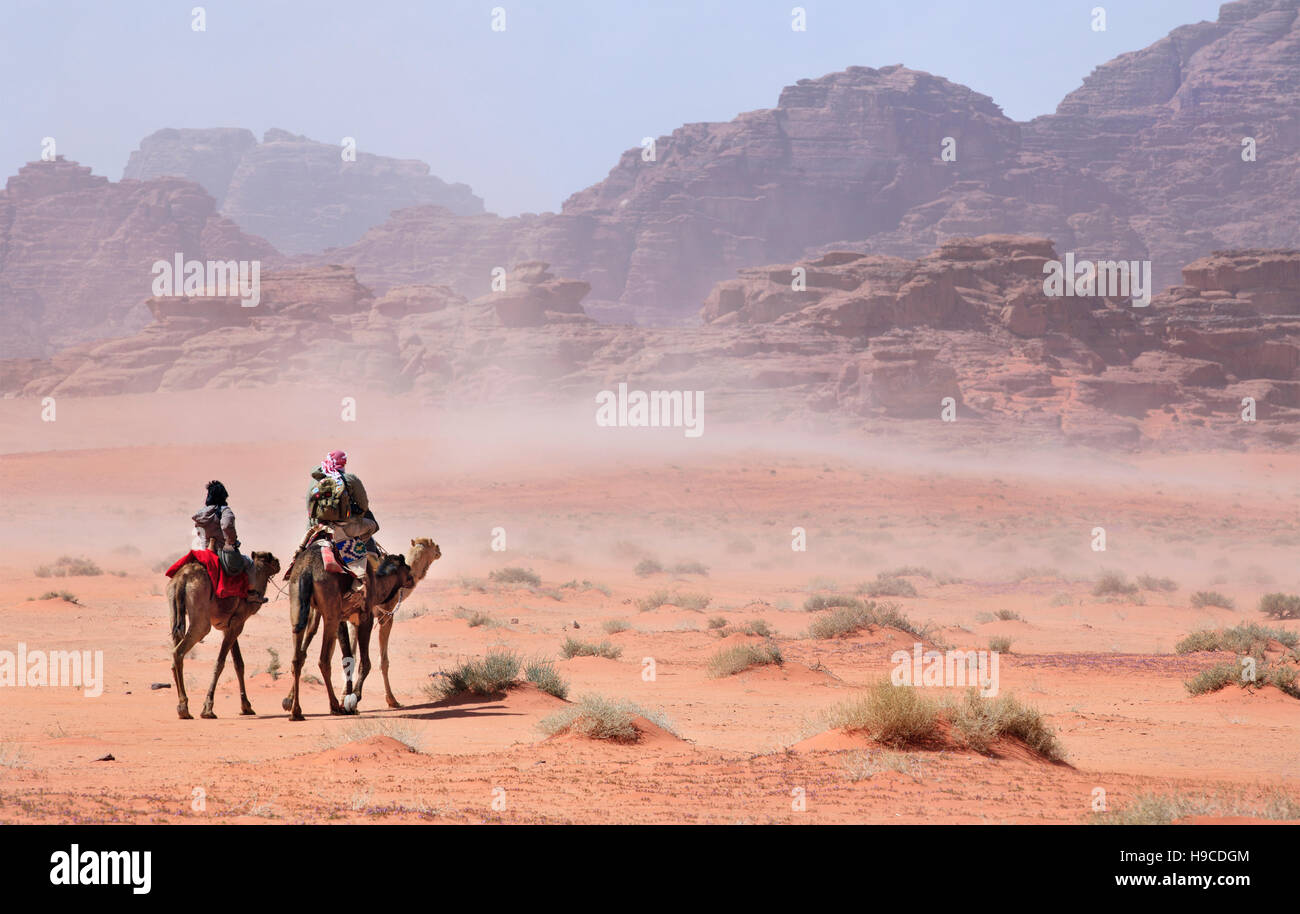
(335, 563)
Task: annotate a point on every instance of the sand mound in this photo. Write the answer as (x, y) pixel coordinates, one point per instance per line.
(377, 748)
(1235, 696)
(648, 735)
(1004, 748)
(786, 672)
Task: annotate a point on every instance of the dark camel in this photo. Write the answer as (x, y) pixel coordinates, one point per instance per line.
(195, 610)
(316, 599)
(424, 552)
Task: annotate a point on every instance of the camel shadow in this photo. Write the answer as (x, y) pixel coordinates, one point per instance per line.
(458, 706)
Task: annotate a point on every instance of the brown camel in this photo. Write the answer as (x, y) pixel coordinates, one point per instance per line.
(424, 552)
(195, 610)
(316, 599)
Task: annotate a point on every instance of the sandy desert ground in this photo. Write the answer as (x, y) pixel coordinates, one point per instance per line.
(115, 480)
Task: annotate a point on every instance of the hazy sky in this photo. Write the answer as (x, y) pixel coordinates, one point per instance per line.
(526, 116)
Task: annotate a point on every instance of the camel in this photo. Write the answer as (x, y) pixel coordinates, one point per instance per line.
(195, 610)
(316, 597)
(424, 552)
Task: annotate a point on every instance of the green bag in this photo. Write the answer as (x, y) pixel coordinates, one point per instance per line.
(330, 501)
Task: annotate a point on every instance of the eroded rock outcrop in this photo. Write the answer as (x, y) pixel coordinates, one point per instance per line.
(298, 193)
(875, 342)
(1187, 146)
(76, 251)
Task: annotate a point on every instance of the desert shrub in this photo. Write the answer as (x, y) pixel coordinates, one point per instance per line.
(888, 585)
(474, 617)
(1246, 638)
(572, 647)
(695, 601)
(757, 627)
(59, 595)
(1060, 599)
(1280, 606)
(541, 672)
(915, 571)
(1112, 584)
(1164, 809)
(1281, 676)
(1203, 598)
(741, 657)
(817, 602)
(515, 575)
(691, 568)
(861, 766)
(889, 714)
(653, 600)
(1009, 615)
(647, 567)
(901, 716)
(597, 717)
(1214, 678)
(716, 622)
(584, 584)
(1001, 645)
(1147, 582)
(495, 672)
(977, 722)
(273, 666)
(614, 626)
(1035, 571)
(68, 567)
(846, 620)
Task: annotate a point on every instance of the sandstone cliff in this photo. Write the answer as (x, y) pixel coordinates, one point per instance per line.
(298, 193)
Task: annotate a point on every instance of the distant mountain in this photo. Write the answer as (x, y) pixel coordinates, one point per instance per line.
(76, 251)
(298, 193)
(1144, 161)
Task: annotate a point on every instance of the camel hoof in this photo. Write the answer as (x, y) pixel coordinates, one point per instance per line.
(184, 714)
(207, 715)
(248, 712)
(296, 715)
(350, 703)
(394, 703)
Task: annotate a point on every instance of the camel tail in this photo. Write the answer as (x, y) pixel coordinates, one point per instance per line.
(179, 619)
(304, 600)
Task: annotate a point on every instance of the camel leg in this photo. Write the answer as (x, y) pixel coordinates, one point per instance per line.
(363, 650)
(301, 641)
(193, 636)
(329, 634)
(238, 659)
(349, 662)
(386, 629)
(227, 639)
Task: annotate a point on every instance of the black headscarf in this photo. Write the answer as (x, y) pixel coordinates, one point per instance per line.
(217, 494)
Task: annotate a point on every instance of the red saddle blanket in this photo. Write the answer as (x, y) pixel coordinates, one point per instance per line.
(224, 585)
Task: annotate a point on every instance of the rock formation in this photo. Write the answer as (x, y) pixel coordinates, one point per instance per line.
(1164, 155)
(76, 251)
(298, 193)
(870, 341)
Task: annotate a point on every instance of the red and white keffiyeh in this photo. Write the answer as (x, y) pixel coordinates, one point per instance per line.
(334, 462)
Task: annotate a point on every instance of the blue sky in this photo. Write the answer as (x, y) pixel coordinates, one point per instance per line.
(526, 116)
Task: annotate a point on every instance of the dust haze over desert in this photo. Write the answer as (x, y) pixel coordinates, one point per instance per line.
(881, 432)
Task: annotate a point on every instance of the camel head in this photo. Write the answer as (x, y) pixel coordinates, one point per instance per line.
(424, 552)
(264, 566)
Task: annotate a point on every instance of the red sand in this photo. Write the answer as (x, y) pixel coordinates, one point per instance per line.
(1102, 671)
